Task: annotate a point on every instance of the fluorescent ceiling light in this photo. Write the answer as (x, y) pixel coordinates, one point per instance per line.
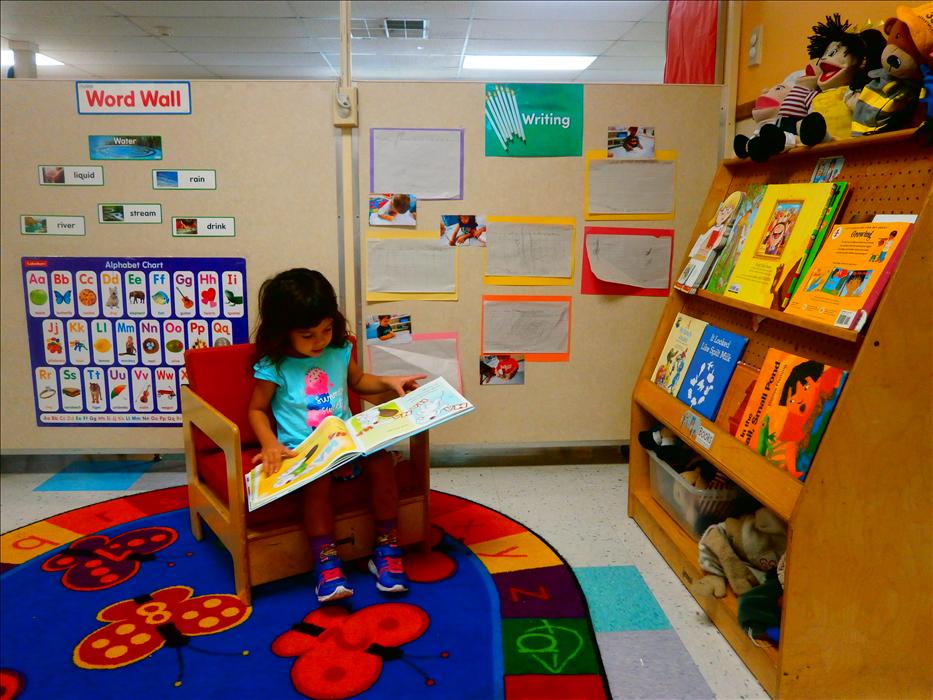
(539, 63)
(6, 59)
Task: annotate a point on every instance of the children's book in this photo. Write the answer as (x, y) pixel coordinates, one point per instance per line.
(677, 352)
(710, 370)
(840, 191)
(744, 218)
(789, 409)
(335, 442)
(707, 246)
(849, 274)
(786, 227)
(734, 401)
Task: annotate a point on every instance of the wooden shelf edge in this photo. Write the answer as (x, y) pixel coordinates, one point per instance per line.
(782, 317)
(771, 486)
(680, 552)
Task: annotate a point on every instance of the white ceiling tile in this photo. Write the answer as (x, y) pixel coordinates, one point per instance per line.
(224, 26)
(525, 76)
(659, 14)
(589, 10)
(114, 58)
(637, 48)
(654, 77)
(647, 31)
(399, 63)
(446, 28)
(398, 47)
(621, 63)
(24, 27)
(53, 8)
(503, 47)
(243, 44)
(48, 43)
(445, 74)
(274, 72)
(147, 72)
(316, 8)
(202, 8)
(546, 31)
(322, 28)
(258, 59)
(409, 10)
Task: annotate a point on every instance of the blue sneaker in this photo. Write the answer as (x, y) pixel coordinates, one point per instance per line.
(331, 583)
(386, 566)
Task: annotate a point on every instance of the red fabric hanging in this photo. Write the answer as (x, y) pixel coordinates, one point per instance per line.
(691, 42)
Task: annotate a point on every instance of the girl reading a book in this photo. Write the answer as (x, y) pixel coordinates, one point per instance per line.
(303, 375)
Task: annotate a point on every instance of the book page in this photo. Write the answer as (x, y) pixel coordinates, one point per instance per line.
(425, 162)
(427, 406)
(329, 446)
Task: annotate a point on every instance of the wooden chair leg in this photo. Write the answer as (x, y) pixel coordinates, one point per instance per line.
(241, 580)
(197, 525)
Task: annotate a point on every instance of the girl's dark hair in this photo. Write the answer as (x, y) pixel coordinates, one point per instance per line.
(296, 298)
(811, 369)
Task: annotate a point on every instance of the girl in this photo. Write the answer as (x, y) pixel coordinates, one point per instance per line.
(303, 375)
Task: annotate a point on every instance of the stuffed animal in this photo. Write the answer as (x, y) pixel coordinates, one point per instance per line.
(887, 101)
(766, 110)
(740, 551)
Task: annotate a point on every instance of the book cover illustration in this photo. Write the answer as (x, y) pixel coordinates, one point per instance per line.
(744, 218)
(334, 442)
(784, 230)
(709, 244)
(734, 401)
(840, 191)
(789, 409)
(711, 369)
(681, 343)
(849, 273)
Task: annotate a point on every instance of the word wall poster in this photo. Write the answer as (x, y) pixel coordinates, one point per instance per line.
(107, 336)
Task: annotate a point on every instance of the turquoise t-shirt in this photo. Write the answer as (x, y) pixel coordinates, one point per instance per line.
(308, 390)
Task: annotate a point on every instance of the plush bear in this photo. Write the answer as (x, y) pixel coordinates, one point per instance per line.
(740, 551)
(887, 101)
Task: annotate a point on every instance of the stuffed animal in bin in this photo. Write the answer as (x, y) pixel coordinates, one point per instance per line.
(739, 551)
(887, 101)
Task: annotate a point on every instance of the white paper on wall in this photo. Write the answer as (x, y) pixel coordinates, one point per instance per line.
(526, 327)
(631, 187)
(638, 261)
(410, 265)
(435, 357)
(533, 250)
(424, 162)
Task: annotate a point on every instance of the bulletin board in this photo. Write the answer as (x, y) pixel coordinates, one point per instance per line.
(585, 399)
(256, 183)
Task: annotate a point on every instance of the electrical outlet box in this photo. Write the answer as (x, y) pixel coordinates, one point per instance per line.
(346, 112)
(754, 46)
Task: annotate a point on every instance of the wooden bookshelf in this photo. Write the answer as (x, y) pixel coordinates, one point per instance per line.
(857, 618)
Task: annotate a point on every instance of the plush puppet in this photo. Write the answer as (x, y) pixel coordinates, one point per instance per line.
(765, 111)
(887, 101)
(740, 551)
(844, 66)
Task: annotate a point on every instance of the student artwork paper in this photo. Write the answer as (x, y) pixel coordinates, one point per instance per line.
(433, 354)
(410, 265)
(627, 261)
(539, 327)
(626, 188)
(425, 162)
(517, 249)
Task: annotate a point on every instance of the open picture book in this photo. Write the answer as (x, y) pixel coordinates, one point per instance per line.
(335, 441)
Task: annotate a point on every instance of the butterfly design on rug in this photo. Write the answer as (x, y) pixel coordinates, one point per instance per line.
(341, 653)
(140, 626)
(96, 562)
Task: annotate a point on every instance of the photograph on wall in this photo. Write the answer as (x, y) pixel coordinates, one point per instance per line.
(71, 175)
(502, 369)
(102, 147)
(393, 329)
(107, 336)
(393, 210)
(464, 230)
(631, 142)
(533, 120)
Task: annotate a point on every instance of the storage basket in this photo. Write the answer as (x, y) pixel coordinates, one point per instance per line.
(695, 509)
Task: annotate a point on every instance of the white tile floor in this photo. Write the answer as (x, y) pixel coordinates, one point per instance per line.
(580, 510)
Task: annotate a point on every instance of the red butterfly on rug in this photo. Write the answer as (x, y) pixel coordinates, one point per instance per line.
(97, 562)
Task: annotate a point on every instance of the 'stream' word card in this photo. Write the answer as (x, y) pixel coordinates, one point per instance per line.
(107, 336)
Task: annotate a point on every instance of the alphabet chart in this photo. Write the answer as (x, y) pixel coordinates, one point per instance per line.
(107, 336)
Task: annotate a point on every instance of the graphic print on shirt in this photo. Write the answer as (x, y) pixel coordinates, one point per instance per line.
(317, 389)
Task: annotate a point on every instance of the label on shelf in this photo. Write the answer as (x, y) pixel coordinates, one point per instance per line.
(694, 426)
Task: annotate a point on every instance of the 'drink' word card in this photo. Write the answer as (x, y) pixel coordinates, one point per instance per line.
(107, 336)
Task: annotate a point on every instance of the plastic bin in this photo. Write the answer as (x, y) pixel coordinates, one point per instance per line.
(695, 509)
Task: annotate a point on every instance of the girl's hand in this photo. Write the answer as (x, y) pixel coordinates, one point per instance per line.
(272, 456)
(402, 385)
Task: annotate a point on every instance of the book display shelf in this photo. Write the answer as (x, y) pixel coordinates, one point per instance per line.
(857, 615)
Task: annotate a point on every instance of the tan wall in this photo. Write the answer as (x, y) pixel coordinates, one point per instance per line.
(786, 26)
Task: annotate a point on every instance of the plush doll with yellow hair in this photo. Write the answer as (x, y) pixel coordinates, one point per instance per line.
(887, 102)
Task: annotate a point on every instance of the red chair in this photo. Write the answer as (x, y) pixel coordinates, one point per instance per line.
(270, 543)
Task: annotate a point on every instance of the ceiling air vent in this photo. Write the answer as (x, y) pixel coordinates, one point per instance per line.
(406, 28)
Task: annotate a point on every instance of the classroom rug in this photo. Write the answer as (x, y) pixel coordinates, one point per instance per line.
(118, 600)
